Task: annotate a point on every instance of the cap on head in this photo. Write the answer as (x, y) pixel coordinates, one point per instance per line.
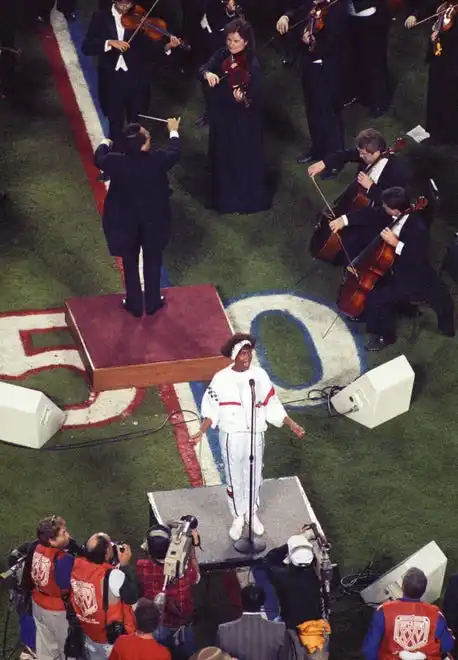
(300, 551)
(157, 541)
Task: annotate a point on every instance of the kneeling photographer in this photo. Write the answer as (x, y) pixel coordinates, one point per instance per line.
(168, 576)
(300, 572)
(103, 588)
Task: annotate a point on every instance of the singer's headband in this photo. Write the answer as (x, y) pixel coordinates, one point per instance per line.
(238, 347)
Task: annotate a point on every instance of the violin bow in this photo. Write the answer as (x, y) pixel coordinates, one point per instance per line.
(328, 206)
(438, 13)
(142, 22)
(295, 25)
(153, 118)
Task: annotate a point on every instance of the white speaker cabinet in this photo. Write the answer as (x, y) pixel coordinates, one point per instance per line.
(27, 417)
(430, 559)
(378, 395)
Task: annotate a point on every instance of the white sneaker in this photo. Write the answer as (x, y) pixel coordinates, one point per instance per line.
(236, 529)
(258, 527)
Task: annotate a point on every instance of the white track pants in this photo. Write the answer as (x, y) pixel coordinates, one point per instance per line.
(235, 450)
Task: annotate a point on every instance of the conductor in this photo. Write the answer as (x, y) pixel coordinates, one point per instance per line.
(136, 214)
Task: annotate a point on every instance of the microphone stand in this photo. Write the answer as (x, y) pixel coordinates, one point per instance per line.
(250, 545)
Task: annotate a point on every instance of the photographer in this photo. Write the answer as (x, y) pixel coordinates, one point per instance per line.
(175, 627)
(102, 594)
(46, 578)
(291, 571)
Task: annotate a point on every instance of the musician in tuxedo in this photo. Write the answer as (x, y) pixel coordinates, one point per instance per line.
(368, 23)
(136, 213)
(376, 170)
(442, 58)
(411, 277)
(323, 71)
(124, 68)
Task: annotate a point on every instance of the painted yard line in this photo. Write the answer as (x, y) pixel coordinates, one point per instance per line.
(85, 122)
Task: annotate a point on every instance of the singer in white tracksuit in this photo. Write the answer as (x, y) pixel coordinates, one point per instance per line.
(227, 404)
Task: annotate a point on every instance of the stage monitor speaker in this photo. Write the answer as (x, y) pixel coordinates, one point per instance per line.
(430, 559)
(378, 395)
(27, 417)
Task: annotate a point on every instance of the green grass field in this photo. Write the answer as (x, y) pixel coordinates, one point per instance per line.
(380, 493)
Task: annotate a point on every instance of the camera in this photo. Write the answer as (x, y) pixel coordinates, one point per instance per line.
(114, 630)
(181, 543)
(118, 549)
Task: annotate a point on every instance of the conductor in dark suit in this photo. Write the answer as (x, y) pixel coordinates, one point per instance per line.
(253, 637)
(411, 277)
(136, 213)
(124, 68)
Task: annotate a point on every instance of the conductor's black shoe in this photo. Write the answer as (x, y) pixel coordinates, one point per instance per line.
(201, 121)
(157, 307)
(306, 158)
(135, 312)
(379, 342)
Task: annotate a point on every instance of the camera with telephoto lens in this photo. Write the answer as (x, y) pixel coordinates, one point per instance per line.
(118, 549)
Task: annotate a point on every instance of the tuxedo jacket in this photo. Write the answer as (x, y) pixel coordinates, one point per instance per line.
(138, 57)
(137, 208)
(394, 173)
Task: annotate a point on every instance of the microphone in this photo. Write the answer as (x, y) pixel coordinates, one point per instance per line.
(251, 383)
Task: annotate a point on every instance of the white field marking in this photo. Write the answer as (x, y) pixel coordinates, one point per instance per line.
(337, 353)
(15, 363)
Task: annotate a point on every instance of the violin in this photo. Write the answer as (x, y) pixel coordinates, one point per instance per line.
(315, 21)
(154, 28)
(368, 267)
(235, 69)
(326, 245)
(444, 22)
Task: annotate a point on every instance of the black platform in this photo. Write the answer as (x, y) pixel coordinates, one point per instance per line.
(285, 508)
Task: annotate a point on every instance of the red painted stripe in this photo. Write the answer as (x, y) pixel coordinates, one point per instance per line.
(230, 403)
(187, 452)
(83, 143)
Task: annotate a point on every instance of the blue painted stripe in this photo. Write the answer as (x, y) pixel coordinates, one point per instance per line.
(88, 68)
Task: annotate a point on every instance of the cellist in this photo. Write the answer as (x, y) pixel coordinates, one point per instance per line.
(442, 58)
(411, 277)
(375, 173)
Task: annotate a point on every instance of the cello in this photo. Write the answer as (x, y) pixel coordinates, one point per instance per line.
(363, 273)
(324, 244)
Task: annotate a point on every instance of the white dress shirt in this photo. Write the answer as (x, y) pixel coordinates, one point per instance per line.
(370, 11)
(121, 63)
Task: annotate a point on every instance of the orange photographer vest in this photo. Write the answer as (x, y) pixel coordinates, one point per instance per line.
(87, 582)
(46, 593)
(410, 626)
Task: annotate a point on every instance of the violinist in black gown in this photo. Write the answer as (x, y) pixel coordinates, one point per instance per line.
(442, 57)
(411, 277)
(235, 147)
(324, 53)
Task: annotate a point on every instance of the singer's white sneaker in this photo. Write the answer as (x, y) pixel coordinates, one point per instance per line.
(258, 527)
(236, 529)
